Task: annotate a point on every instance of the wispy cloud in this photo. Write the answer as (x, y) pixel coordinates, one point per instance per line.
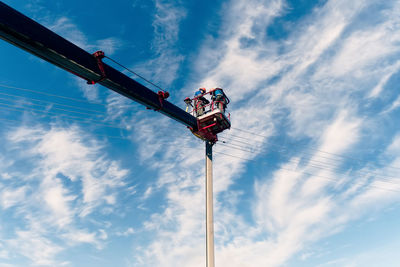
(162, 68)
(36, 247)
(68, 177)
(167, 17)
(70, 31)
(12, 196)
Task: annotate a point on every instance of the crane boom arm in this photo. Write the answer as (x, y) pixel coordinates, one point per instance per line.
(33, 37)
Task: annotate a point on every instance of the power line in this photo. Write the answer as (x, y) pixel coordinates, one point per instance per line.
(311, 163)
(44, 106)
(223, 140)
(322, 165)
(66, 117)
(312, 160)
(53, 103)
(102, 135)
(248, 149)
(247, 159)
(131, 71)
(230, 135)
(319, 176)
(48, 94)
(311, 148)
(71, 118)
(261, 150)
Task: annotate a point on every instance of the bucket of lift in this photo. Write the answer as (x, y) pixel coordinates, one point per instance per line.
(212, 122)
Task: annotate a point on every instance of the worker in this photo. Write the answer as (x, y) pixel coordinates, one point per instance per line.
(200, 101)
(189, 105)
(219, 99)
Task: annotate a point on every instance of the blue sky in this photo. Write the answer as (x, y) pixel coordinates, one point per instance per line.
(307, 176)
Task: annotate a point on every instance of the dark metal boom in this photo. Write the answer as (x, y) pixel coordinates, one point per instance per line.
(31, 36)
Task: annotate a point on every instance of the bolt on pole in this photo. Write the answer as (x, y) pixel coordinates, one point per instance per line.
(209, 207)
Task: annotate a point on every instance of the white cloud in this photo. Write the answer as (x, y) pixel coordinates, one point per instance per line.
(369, 48)
(118, 105)
(12, 196)
(166, 24)
(70, 31)
(64, 152)
(163, 67)
(66, 28)
(90, 91)
(34, 246)
(343, 132)
(70, 178)
(233, 67)
(379, 87)
(395, 105)
(108, 45)
(394, 147)
(147, 193)
(84, 236)
(58, 201)
(127, 232)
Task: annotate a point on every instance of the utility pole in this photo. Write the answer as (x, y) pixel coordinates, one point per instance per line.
(209, 206)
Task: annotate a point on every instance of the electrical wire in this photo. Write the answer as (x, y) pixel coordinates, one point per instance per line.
(230, 135)
(318, 176)
(324, 165)
(282, 151)
(315, 163)
(45, 106)
(131, 71)
(311, 163)
(53, 103)
(246, 149)
(247, 159)
(70, 118)
(55, 95)
(329, 153)
(311, 148)
(67, 118)
(285, 150)
(225, 140)
(102, 135)
(48, 94)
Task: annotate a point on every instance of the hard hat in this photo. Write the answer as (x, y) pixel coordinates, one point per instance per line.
(187, 100)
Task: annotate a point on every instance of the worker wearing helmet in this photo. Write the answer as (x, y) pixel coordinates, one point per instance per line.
(219, 99)
(200, 101)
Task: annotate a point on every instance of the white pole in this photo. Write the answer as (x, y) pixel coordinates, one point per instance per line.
(209, 207)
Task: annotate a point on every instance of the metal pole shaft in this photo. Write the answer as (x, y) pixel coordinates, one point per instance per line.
(209, 207)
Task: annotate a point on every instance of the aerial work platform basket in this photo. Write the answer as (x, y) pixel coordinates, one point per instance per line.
(211, 116)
